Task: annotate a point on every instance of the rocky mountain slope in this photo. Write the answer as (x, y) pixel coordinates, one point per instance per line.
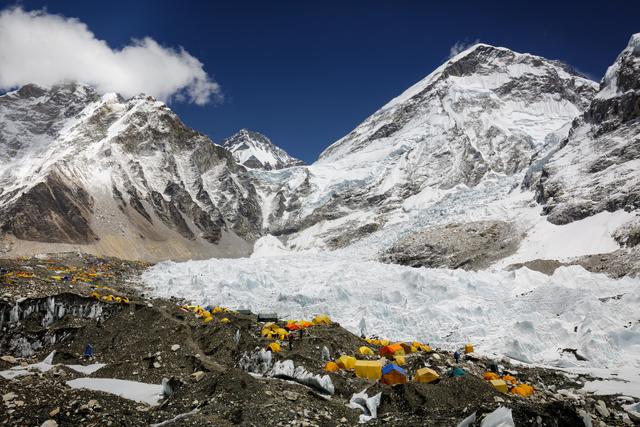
(481, 115)
(465, 147)
(80, 171)
(255, 151)
(596, 167)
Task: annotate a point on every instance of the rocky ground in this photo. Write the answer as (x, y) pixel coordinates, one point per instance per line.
(470, 246)
(66, 302)
(623, 262)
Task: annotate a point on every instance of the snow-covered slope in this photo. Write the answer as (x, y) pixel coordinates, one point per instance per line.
(117, 177)
(597, 167)
(255, 151)
(482, 114)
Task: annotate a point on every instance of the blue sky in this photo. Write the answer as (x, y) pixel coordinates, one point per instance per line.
(305, 73)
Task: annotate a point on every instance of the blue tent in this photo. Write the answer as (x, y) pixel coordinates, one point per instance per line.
(456, 372)
(392, 367)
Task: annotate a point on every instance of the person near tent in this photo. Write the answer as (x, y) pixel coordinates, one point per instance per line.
(456, 356)
(88, 351)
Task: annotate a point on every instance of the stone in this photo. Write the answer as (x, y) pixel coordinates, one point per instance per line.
(9, 397)
(94, 405)
(343, 420)
(601, 408)
(9, 359)
(289, 395)
(156, 365)
(197, 376)
(142, 408)
(49, 423)
(54, 412)
(175, 347)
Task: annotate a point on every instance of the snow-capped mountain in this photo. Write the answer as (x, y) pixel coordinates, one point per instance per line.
(127, 178)
(255, 151)
(118, 177)
(482, 114)
(597, 167)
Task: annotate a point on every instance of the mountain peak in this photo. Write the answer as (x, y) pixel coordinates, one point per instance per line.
(255, 151)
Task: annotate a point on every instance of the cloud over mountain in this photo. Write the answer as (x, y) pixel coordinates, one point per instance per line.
(43, 48)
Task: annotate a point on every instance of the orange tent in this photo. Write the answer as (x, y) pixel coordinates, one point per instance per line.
(393, 374)
(331, 367)
(390, 350)
(490, 376)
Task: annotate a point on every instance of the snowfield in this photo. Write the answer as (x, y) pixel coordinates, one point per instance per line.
(523, 314)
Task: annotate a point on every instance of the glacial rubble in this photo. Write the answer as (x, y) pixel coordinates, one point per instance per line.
(195, 360)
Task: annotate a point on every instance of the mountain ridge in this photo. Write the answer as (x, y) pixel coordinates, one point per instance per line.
(255, 151)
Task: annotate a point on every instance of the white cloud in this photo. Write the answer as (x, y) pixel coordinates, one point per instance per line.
(461, 46)
(38, 47)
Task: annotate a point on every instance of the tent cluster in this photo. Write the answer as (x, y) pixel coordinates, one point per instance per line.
(508, 383)
(206, 313)
(8, 276)
(75, 275)
(387, 368)
(109, 298)
(272, 330)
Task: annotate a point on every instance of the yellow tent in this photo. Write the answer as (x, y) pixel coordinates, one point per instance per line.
(225, 320)
(425, 375)
(365, 351)
(331, 367)
(274, 347)
(468, 348)
(500, 385)
(509, 378)
(400, 360)
(490, 376)
(346, 362)
(321, 319)
(370, 369)
(523, 390)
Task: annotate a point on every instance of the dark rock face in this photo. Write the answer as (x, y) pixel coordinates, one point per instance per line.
(616, 264)
(594, 169)
(117, 168)
(470, 246)
(53, 211)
